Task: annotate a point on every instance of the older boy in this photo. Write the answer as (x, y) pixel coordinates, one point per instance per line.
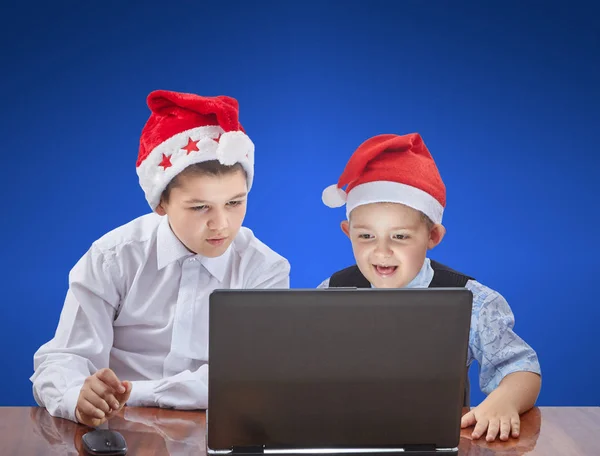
(134, 326)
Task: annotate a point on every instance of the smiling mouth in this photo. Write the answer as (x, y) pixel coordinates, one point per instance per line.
(385, 271)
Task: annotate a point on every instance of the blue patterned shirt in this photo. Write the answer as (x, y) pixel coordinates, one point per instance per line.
(492, 340)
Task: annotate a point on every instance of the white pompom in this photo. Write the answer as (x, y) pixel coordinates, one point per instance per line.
(333, 196)
(235, 147)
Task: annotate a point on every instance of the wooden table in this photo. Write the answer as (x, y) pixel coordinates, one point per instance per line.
(24, 431)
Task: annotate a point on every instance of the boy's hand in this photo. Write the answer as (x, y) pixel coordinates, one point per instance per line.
(102, 396)
(496, 415)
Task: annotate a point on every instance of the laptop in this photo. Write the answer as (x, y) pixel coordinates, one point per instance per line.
(338, 370)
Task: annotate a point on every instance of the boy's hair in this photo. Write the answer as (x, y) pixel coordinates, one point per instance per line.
(207, 168)
(427, 221)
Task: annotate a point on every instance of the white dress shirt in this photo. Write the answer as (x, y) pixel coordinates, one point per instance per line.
(138, 304)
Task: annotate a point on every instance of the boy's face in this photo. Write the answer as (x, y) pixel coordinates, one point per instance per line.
(206, 212)
(390, 242)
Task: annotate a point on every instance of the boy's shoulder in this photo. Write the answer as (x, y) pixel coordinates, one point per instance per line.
(138, 232)
(251, 249)
(485, 297)
(482, 294)
(481, 291)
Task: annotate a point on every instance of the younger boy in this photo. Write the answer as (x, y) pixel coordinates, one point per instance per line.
(134, 326)
(395, 199)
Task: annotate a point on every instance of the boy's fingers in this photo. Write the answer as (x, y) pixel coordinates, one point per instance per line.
(468, 420)
(95, 422)
(480, 427)
(111, 379)
(125, 396)
(493, 428)
(89, 409)
(515, 424)
(504, 428)
(80, 417)
(112, 413)
(104, 393)
(97, 401)
(89, 421)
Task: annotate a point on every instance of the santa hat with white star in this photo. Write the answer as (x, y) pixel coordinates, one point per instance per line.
(390, 169)
(184, 129)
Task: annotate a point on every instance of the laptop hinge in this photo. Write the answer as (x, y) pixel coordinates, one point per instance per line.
(256, 449)
(419, 447)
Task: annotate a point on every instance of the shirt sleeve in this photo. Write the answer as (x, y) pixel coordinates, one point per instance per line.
(83, 338)
(188, 390)
(277, 275)
(493, 341)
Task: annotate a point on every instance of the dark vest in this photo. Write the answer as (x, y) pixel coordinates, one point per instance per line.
(443, 277)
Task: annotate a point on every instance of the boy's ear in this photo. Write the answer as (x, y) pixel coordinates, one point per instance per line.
(345, 226)
(160, 210)
(436, 235)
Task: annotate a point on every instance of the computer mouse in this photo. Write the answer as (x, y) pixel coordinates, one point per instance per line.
(104, 442)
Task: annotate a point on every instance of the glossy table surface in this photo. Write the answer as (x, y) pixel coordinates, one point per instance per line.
(151, 431)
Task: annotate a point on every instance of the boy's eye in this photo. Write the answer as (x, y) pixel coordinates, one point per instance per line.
(198, 208)
(234, 203)
(400, 236)
(364, 236)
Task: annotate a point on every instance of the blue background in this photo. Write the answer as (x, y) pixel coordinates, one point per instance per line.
(506, 97)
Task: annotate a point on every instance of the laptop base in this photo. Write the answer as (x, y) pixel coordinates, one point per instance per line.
(329, 452)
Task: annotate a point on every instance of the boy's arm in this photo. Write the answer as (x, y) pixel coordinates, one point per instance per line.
(83, 338)
(189, 389)
(521, 389)
(509, 367)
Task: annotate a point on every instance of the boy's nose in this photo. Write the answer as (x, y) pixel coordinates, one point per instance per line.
(218, 222)
(383, 249)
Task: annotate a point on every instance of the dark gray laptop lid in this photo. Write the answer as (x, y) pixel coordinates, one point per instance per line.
(337, 368)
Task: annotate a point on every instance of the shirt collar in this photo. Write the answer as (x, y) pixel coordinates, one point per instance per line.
(424, 277)
(171, 249)
(217, 266)
(168, 248)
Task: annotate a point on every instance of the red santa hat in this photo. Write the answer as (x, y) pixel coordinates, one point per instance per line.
(392, 169)
(184, 129)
